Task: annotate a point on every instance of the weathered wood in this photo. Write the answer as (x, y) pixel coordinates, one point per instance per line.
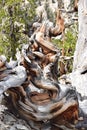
(76, 5)
(59, 27)
(35, 92)
(79, 75)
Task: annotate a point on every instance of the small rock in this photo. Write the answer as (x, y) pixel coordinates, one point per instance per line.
(21, 127)
(8, 119)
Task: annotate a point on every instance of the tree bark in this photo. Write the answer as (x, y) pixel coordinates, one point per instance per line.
(79, 74)
(80, 55)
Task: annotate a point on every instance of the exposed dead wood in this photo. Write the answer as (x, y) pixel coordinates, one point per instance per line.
(76, 5)
(59, 28)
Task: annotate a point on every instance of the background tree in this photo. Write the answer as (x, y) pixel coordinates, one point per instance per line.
(15, 17)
